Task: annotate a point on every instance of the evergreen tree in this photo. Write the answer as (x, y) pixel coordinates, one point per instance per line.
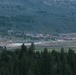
(58, 64)
(71, 60)
(53, 64)
(45, 63)
(24, 48)
(29, 62)
(32, 46)
(23, 51)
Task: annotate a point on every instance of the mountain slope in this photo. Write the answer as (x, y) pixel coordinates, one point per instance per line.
(42, 16)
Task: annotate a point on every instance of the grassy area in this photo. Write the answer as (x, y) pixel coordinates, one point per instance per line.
(57, 49)
(57, 46)
(53, 45)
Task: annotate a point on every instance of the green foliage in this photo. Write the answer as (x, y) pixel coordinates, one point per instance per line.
(26, 61)
(32, 46)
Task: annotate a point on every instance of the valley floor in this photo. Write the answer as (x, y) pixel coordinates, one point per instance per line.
(40, 45)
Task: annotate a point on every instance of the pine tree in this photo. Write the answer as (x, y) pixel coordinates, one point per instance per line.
(71, 60)
(53, 64)
(23, 51)
(45, 63)
(32, 46)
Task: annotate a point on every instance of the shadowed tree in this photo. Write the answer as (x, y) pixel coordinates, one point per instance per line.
(45, 63)
(32, 46)
(22, 51)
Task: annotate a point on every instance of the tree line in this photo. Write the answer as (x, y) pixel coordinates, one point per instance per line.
(27, 61)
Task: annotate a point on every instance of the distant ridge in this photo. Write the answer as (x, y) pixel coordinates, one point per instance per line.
(41, 16)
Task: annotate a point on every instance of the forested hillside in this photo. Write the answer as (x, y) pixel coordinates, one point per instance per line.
(27, 61)
(52, 16)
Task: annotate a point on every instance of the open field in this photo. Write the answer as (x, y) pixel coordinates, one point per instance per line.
(39, 46)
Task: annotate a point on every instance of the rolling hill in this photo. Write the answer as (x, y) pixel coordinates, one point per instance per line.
(41, 16)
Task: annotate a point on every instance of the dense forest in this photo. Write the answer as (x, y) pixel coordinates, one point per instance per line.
(27, 61)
